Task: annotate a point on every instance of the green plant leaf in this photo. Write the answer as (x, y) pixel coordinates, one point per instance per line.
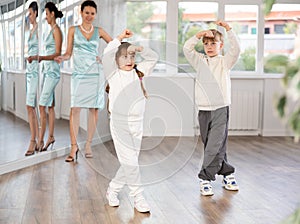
(298, 61)
(268, 4)
(294, 218)
(277, 60)
(281, 106)
(291, 70)
(294, 121)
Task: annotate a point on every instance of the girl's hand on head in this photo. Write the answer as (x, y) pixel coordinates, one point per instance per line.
(134, 48)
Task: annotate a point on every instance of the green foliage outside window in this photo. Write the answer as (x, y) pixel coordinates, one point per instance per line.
(138, 14)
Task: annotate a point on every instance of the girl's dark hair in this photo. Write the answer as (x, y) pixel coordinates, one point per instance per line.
(52, 8)
(122, 50)
(34, 7)
(88, 3)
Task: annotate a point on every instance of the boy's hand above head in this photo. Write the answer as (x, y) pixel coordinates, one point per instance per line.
(205, 33)
(223, 24)
(125, 34)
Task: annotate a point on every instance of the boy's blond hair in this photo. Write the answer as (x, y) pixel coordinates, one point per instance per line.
(218, 36)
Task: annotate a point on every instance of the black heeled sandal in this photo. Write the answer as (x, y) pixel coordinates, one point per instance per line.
(31, 149)
(51, 142)
(71, 158)
(40, 146)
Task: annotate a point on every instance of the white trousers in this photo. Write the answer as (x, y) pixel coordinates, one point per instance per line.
(127, 138)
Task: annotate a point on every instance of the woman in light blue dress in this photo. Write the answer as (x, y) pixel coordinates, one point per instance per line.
(51, 77)
(87, 82)
(32, 72)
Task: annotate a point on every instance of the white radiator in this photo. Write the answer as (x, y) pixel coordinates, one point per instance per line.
(245, 110)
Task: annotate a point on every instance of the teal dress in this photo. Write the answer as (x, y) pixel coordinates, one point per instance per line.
(87, 82)
(51, 70)
(32, 70)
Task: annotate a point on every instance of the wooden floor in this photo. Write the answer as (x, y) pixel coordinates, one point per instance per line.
(267, 170)
(15, 136)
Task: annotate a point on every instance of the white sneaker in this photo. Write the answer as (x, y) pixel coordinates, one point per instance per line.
(141, 204)
(112, 198)
(206, 188)
(229, 183)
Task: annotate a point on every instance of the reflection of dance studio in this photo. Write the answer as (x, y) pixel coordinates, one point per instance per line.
(40, 187)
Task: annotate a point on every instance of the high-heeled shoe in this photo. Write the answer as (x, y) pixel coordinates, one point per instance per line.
(40, 146)
(71, 158)
(31, 149)
(88, 151)
(50, 141)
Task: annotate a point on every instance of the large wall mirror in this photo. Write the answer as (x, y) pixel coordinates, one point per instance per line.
(16, 33)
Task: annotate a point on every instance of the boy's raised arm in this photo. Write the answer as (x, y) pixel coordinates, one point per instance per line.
(234, 49)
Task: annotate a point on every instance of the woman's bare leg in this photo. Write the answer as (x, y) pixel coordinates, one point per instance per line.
(92, 124)
(43, 119)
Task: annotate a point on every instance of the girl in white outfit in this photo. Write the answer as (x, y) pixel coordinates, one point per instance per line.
(127, 98)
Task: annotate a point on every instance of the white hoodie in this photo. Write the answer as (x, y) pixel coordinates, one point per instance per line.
(212, 86)
(126, 97)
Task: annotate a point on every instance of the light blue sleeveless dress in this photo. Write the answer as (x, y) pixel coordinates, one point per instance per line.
(32, 70)
(87, 82)
(51, 70)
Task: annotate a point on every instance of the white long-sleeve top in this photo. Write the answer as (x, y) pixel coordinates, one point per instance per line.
(213, 85)
(126, 97)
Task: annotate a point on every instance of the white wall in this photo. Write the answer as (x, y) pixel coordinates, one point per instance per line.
(170, 108)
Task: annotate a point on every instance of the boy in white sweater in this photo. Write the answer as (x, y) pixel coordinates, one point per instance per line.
(213, 97)
(127, 105)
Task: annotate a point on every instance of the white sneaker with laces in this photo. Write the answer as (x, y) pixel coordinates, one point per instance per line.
(112, 198)
(206, 188)
(229, 183)
(141, 204)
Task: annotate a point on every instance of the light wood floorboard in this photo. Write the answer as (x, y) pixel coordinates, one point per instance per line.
(54, 192)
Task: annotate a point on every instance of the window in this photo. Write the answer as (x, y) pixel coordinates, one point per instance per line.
(77, 18)
(11, 44)
(284, 36)
(244, 29)
(279, 28)
(69, 22)
(239, 16)
(193, 17)
(18, 42)
(63, 26)
(147, 20)
(1, 50)
(267, 30)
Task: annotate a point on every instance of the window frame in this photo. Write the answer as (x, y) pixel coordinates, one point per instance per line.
(171, 30)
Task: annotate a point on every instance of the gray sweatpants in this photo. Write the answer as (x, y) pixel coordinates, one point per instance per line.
(214, 133)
